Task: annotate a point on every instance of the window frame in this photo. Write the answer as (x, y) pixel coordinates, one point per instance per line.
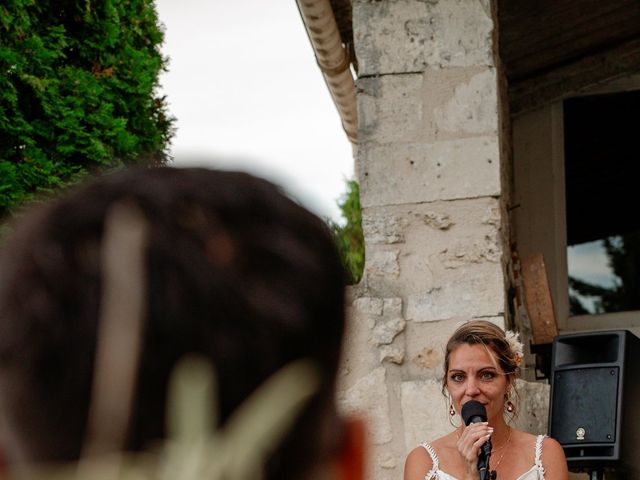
(539, 206)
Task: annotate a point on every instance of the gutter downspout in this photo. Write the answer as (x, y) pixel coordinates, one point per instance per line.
(333, 60)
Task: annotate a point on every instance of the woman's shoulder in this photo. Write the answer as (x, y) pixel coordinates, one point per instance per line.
(524, 439)
(418, 463)
(421, 459)
(552, 450)
(553, 459)
(546, 450)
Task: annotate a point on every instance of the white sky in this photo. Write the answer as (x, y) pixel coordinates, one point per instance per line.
(247, 94)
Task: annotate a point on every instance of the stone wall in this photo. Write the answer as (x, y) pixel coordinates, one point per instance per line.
(432, 167)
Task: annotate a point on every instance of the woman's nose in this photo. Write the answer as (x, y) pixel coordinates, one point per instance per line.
(472, 388)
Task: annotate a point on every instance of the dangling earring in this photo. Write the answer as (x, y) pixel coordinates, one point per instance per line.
(509, 406)
(452, 412)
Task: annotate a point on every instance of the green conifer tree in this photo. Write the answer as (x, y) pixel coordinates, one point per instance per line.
(78, 94)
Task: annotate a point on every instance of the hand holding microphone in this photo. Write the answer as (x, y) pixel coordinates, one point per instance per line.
(475, 412)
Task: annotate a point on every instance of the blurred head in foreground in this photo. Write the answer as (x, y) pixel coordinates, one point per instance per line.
(233, 270)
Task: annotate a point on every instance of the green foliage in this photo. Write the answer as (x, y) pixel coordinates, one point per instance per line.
(77, 92)
(349, 236)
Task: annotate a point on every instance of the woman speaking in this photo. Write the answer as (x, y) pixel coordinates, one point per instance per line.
(481, 364)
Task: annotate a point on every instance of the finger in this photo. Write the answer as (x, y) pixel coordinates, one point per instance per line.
(481, 441)
(475, 431)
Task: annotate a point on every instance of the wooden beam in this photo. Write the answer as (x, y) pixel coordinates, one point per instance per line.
(571, 79)
(537, 295)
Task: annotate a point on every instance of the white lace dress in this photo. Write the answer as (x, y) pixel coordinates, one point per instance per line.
(536, 472)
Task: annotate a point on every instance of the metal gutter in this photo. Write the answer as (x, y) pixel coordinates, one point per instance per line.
(333, 60)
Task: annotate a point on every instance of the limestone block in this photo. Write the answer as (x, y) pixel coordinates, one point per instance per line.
(372, 326)
(461, 253)
(382, 229)
(414, 173)
(438, 220)
(491, 215)
(398, 36)
(392, 306)
(358, 356)
(369, 305)
(387, 327)
(441, 242)
(472, 106)
(424, 412)
(390, 108)
(386, 330)
(382, 263)
(532, 406)
(481, 295)
(389, 353)
(441, 104)
(425, 344)
(369, 397)
(428, 358)
(387, 461)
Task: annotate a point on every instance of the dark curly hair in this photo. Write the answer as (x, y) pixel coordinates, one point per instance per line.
(236, 271)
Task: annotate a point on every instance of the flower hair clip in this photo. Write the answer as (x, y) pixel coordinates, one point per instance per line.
(515, 345)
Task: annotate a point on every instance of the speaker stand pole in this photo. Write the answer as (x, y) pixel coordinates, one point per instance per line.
(596, 475)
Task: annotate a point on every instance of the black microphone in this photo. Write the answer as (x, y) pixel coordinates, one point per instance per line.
(474, 412)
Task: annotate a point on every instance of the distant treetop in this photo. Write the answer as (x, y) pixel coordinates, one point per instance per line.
(77, 92)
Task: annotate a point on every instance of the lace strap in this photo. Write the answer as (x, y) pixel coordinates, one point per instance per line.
(538, 458)
(434, 460)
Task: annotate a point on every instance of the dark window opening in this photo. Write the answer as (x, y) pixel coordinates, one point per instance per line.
(602, 172)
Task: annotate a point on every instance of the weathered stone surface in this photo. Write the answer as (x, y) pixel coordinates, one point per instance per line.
(370, 397)
(438, 220)
(415, 173)
(390, 108)
(460, 254)
(457, 228)
(441, 104)
(386, 330)
(472, 107)
(391, 354)
(481, 295)
(369, 305)
(387, 461)
(424, 412)
(359, 357)
(382, 262)
(428, 357)
(532, 406)
(383, 229)
(397, 36)
(392, 306)
(425, 343)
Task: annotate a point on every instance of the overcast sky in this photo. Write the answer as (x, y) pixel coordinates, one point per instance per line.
(247, 94)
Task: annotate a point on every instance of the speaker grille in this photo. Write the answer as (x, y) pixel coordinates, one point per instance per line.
(585, 398)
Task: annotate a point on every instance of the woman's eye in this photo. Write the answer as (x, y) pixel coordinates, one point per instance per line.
(487, 375)
(457, 377)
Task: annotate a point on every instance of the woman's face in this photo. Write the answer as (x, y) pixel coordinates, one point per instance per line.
(475, 374)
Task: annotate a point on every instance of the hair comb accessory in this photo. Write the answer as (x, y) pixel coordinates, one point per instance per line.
(515, 345)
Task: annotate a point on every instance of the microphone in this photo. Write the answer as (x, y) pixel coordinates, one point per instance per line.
(474, 412)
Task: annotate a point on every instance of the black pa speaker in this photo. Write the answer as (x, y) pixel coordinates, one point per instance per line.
(595, 400)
